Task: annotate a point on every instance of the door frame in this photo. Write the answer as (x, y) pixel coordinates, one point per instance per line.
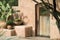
(37, 20)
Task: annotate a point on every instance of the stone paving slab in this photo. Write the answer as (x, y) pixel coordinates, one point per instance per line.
(20, 38)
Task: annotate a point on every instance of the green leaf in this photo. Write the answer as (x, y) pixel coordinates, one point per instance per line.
(8, 6)
(3, 7)
(0, 3)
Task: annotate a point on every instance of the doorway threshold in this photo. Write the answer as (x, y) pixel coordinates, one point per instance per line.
(43, 36)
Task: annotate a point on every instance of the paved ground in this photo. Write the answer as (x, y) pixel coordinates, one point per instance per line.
(27, 38)
(2, 37)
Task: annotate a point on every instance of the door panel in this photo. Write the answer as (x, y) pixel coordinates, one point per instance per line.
(44, 25)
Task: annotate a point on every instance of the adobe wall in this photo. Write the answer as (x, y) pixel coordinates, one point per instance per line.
(27, 7)
(54, 32)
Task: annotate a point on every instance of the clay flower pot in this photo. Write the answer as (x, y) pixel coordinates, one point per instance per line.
(9, 27)
(2, 24)
(19, 22)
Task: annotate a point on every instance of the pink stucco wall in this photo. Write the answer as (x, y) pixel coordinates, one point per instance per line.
(54, 32)
(27, 7)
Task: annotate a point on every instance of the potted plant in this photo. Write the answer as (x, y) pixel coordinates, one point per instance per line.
(5, 12)
(18, 20)
(10, 24)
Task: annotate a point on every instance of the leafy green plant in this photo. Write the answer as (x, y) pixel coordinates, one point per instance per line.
(9, 22)
(11, 2)
(5, 11)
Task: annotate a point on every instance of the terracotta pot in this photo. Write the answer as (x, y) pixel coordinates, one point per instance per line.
(9, 27)
(2, 24)
(18, 23)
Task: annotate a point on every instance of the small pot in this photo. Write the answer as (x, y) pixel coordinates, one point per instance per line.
(2, 24)
(9, 27)
(18, 22)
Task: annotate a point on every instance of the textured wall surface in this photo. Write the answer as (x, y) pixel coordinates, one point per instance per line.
(54, 32)
(27, 7)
